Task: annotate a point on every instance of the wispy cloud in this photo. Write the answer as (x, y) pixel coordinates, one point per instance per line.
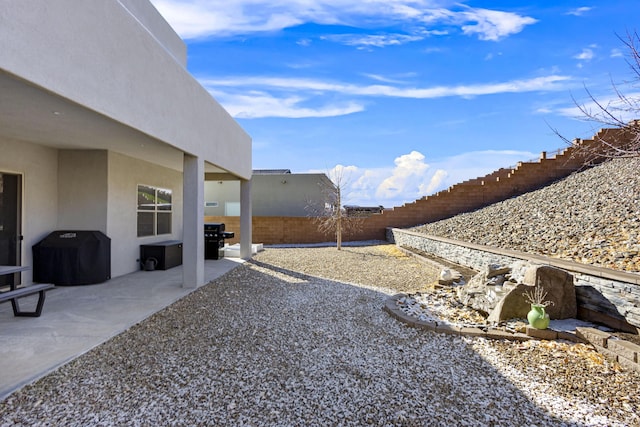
(369, 41)
(252, 105)
(255, 97)
(587, 54)
(579, 11)
(214, 18)
(624, 111)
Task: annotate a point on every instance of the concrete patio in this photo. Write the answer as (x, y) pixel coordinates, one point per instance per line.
(77, 318)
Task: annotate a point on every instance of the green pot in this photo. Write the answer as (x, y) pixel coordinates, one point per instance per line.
(537, 317)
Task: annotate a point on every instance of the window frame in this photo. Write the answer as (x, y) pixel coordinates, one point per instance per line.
(157, 207)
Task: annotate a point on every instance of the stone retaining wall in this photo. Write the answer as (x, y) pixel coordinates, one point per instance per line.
(605, 296)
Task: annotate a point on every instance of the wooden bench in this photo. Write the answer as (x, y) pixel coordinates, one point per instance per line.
(14, 294)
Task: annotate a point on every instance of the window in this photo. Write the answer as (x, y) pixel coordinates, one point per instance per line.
(154, 211)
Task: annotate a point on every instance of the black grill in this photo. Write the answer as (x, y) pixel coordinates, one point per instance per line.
(214, 236)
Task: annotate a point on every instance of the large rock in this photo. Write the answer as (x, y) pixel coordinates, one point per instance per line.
(558, 284)
(513, 305)
(499, 291)
(486, 289)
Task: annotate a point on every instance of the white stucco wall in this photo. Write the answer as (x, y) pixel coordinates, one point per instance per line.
(97, 54)
(86, 190)
(82, 198)
(221, 192)
(125, 173)
(38, 166)
(151, 19)
(271, 194)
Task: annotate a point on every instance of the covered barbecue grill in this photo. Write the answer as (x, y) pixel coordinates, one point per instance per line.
(78, 257)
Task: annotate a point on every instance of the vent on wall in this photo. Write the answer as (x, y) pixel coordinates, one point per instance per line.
(210, 204)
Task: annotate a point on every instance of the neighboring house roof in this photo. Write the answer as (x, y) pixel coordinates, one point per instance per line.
(271, 171)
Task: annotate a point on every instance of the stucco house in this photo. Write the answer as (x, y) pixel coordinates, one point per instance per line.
(97, 109)
(274, 192)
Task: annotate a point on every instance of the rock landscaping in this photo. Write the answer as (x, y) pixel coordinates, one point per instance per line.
(297, 337)
(592, 217)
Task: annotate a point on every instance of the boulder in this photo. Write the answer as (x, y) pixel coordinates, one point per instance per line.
(485, 289)
(558, 284)
(499, 291)
(513, 304)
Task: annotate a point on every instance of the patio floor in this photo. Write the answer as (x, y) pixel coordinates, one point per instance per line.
(77, 318)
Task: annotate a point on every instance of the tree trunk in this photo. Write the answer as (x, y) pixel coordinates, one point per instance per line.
(339, 223)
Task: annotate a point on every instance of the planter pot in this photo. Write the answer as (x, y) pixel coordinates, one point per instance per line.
(537, 317)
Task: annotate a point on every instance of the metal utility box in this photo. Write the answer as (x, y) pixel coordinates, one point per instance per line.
(167, 254)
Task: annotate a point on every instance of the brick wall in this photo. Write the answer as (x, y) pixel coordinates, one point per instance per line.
(463, 197)
(274, 229)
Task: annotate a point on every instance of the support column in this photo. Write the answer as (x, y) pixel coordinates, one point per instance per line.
(193, 222)
(246, 214)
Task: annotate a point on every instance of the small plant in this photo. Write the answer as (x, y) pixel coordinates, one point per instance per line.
(536, 296)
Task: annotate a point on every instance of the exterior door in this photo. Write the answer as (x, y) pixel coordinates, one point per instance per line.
(10, 227)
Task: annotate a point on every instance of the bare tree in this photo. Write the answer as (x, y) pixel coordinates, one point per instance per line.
(328, 213)
(621, 116)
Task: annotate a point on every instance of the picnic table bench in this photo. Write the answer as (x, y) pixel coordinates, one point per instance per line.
(14, 293)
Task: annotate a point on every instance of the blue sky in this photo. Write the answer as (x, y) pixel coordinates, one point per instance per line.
(404, 97)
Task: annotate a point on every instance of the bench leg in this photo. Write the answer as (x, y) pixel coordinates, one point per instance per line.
(16, 307)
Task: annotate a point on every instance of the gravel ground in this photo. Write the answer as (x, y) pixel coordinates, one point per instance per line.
(298, 337)
(592, 217)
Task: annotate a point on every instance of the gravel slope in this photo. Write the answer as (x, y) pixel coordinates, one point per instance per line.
(298, 337)
(591, 217)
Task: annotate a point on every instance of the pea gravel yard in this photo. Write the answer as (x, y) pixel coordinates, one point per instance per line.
(298, 337)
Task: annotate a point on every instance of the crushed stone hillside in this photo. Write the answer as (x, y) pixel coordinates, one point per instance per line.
(591, 217)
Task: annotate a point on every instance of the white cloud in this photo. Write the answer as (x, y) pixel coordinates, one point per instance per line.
(368, 41)
(585, 55)
(551, 82)
(259, 104)
(579, 11)
(412, 178)
(493, 24)
(612, 104)
(435, 182)
(205, 18)
(406, 177)
(272, 96)
(616, 53)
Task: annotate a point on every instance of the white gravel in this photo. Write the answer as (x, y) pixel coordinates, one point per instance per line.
(298, 337)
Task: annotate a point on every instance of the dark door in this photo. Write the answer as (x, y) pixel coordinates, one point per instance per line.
(10, 227)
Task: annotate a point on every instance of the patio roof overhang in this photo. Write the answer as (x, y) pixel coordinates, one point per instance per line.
(32, 114)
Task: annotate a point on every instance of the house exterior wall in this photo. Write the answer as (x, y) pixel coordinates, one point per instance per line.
(271, 194)
(129, 114)
(286, 194)
(87, 190)
(125, 173)
(220, 192)
(38, 166)
(132, 81)
(151, 19)
(83, 181)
